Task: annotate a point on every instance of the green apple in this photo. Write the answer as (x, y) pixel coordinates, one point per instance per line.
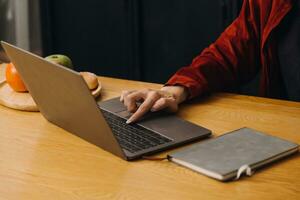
(61, 60)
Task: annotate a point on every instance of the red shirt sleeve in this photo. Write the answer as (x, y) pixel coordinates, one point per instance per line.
(231, 60)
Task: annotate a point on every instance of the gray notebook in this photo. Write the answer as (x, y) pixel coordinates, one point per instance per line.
(232, 154)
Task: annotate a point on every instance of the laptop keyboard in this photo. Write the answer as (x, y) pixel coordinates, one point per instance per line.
(133, 137)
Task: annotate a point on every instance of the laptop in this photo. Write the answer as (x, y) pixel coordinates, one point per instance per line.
(65, 100)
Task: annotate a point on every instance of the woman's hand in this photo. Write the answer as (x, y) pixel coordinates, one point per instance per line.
(168, 97)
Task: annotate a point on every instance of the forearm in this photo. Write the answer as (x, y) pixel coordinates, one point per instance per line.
(233, 59)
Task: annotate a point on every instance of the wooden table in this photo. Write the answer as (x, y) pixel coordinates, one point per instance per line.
(39, 160)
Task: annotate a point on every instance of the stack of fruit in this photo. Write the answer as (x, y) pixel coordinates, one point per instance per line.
(15, 82)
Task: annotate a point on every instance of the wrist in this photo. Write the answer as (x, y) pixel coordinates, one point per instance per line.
(180, 93)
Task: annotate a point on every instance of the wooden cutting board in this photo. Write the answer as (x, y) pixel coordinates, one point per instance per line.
(12, 99)
(16, 100)
(23, 101)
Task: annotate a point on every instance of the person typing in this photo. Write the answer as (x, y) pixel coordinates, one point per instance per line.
(262, 44)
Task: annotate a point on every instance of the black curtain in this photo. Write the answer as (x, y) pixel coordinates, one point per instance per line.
(134, 39)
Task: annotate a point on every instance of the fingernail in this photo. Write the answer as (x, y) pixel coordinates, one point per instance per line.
(153, 109)
(128, 121)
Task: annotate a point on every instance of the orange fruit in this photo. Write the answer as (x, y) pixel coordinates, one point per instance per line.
(13, 79)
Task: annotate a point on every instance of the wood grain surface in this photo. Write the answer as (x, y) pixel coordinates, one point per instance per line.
(39, 160)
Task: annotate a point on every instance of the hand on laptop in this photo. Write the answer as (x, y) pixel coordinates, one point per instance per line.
(168, 97)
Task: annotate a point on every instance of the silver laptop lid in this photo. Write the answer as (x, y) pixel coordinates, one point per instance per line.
(63, 98)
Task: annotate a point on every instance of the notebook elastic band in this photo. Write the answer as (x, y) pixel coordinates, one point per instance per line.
(243, 169)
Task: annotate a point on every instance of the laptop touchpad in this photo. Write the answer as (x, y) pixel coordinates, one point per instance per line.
(113, 105)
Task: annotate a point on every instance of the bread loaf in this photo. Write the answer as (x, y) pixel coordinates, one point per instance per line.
(90, 79)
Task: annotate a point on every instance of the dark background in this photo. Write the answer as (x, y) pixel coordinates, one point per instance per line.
(134, 39)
